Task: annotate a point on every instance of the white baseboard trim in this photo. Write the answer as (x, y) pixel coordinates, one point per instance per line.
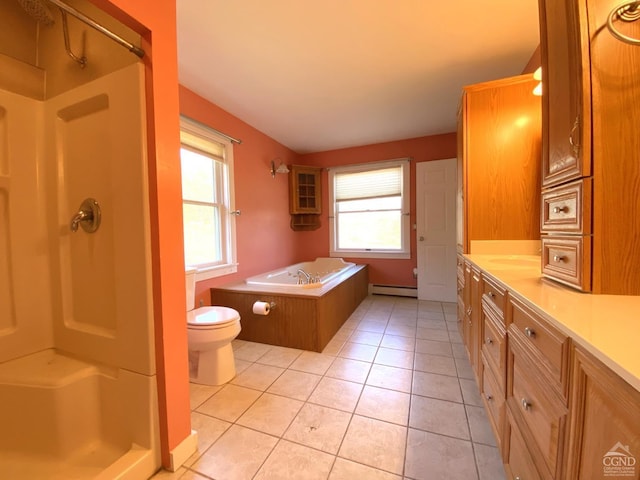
(393, 290)
(183, 451)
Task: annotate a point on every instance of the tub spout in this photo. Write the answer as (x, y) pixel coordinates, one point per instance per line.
(81, 216)
(307, 277)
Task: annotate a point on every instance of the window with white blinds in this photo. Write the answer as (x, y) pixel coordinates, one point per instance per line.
(206, 161)
(370, 210)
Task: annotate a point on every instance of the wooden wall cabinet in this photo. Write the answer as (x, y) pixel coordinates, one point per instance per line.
(305, 197)
(591, 103)
(499, 137)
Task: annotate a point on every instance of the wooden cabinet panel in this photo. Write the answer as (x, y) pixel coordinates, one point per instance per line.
(493, 398)
(605, 423)
(551, 347)
(494, 294)
(567, 208)
(590, 111)
(615, 70)
(500, 165)
(543, 415)
(520, 465)
(494, 346)
(566, 112)
(568, 260)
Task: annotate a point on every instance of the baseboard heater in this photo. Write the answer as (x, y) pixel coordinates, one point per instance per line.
(398, 291)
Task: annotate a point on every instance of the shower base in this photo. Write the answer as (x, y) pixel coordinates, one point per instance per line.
(65, 418)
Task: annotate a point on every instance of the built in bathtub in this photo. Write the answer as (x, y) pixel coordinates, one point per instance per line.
(302, 316)
(320, 272)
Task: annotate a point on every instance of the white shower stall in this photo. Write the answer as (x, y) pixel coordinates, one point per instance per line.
(78, 395)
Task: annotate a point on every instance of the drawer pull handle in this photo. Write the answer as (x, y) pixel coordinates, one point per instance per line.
(491, 294)
(488, 341)
(558, 258)
(489, 397)
(526, 404)
(529, 332)
(469, 311)
(561, 209)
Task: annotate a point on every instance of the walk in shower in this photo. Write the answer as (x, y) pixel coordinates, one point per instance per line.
(77, 371)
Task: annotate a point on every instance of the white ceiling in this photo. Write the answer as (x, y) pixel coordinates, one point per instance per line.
(318, 75)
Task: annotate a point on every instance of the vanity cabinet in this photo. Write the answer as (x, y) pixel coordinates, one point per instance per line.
(305, 200)
(605, 423)
(537, 387)
(590, 147)
(499, 136)
(493, 354)
(471, 320)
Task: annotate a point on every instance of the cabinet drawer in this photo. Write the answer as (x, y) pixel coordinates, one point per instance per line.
(539, 336)
(567, 209)
(519, 461)
(495, 294)
(544, 417)
(493, 399)
(567, 260)
(494, 347)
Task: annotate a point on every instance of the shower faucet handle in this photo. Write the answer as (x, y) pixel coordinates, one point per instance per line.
(88, 216)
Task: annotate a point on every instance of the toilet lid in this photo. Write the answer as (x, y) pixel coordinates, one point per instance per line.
(204, 317)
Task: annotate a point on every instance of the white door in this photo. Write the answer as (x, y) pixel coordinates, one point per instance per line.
(436, 229)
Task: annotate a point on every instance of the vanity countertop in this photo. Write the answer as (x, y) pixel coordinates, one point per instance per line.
(608, 326)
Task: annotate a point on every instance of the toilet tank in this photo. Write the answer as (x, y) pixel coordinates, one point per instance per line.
(190, 274)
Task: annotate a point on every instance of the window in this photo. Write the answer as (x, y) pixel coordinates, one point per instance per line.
(207, 197)
(370, 210)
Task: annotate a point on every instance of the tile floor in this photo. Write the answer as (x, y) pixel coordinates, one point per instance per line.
(392, 396)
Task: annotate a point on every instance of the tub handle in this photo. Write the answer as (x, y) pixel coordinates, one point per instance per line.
(88, 216)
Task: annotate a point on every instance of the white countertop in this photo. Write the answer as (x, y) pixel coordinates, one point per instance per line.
(608, 326)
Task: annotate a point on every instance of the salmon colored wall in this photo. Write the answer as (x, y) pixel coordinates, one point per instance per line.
(264, 239)
(156, 21)
(381, 271)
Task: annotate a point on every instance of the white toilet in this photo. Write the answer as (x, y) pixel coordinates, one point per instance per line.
(210, 331)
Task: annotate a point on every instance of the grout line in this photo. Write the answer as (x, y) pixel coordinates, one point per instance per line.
(362, 317)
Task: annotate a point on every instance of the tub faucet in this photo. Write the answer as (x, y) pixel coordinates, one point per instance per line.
(81, 216)
(306, 276)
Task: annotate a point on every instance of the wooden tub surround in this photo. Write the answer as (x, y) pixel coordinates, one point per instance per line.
(307, 320)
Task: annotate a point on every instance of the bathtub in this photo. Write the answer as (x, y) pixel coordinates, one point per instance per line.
(322, 269)
(302, 316)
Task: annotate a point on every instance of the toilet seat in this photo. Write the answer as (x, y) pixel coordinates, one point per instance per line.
(208, 318)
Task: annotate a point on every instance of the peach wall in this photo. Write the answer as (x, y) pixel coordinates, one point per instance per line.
(264, 239)
(381, 271)
(155, 20)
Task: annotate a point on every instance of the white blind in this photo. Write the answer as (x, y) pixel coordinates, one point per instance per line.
(383, 182)
(207, 146)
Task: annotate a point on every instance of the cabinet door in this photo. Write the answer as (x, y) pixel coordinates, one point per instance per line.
(604, 435)
(304, 187)
(501, 160)
(474, 323)
(566, 111)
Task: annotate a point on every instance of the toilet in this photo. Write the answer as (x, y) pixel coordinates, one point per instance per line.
(210, 331)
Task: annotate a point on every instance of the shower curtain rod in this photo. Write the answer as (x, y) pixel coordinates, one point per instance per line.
(82, 17)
